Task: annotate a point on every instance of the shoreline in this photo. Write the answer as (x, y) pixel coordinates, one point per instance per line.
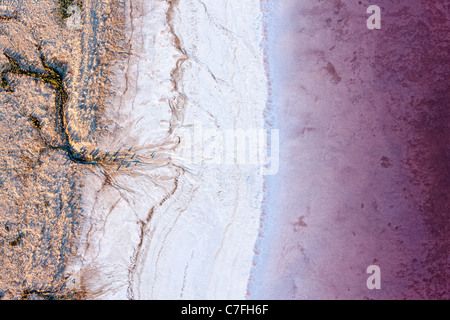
(362, 159)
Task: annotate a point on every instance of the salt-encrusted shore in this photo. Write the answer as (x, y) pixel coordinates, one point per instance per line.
(180, 228)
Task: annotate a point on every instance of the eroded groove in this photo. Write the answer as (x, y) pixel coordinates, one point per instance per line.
(55, 78)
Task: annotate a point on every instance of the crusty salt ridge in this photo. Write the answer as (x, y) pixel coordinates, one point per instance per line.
(177, 229)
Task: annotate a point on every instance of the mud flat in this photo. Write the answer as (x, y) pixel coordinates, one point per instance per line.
(51, 52)
(45, 133)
